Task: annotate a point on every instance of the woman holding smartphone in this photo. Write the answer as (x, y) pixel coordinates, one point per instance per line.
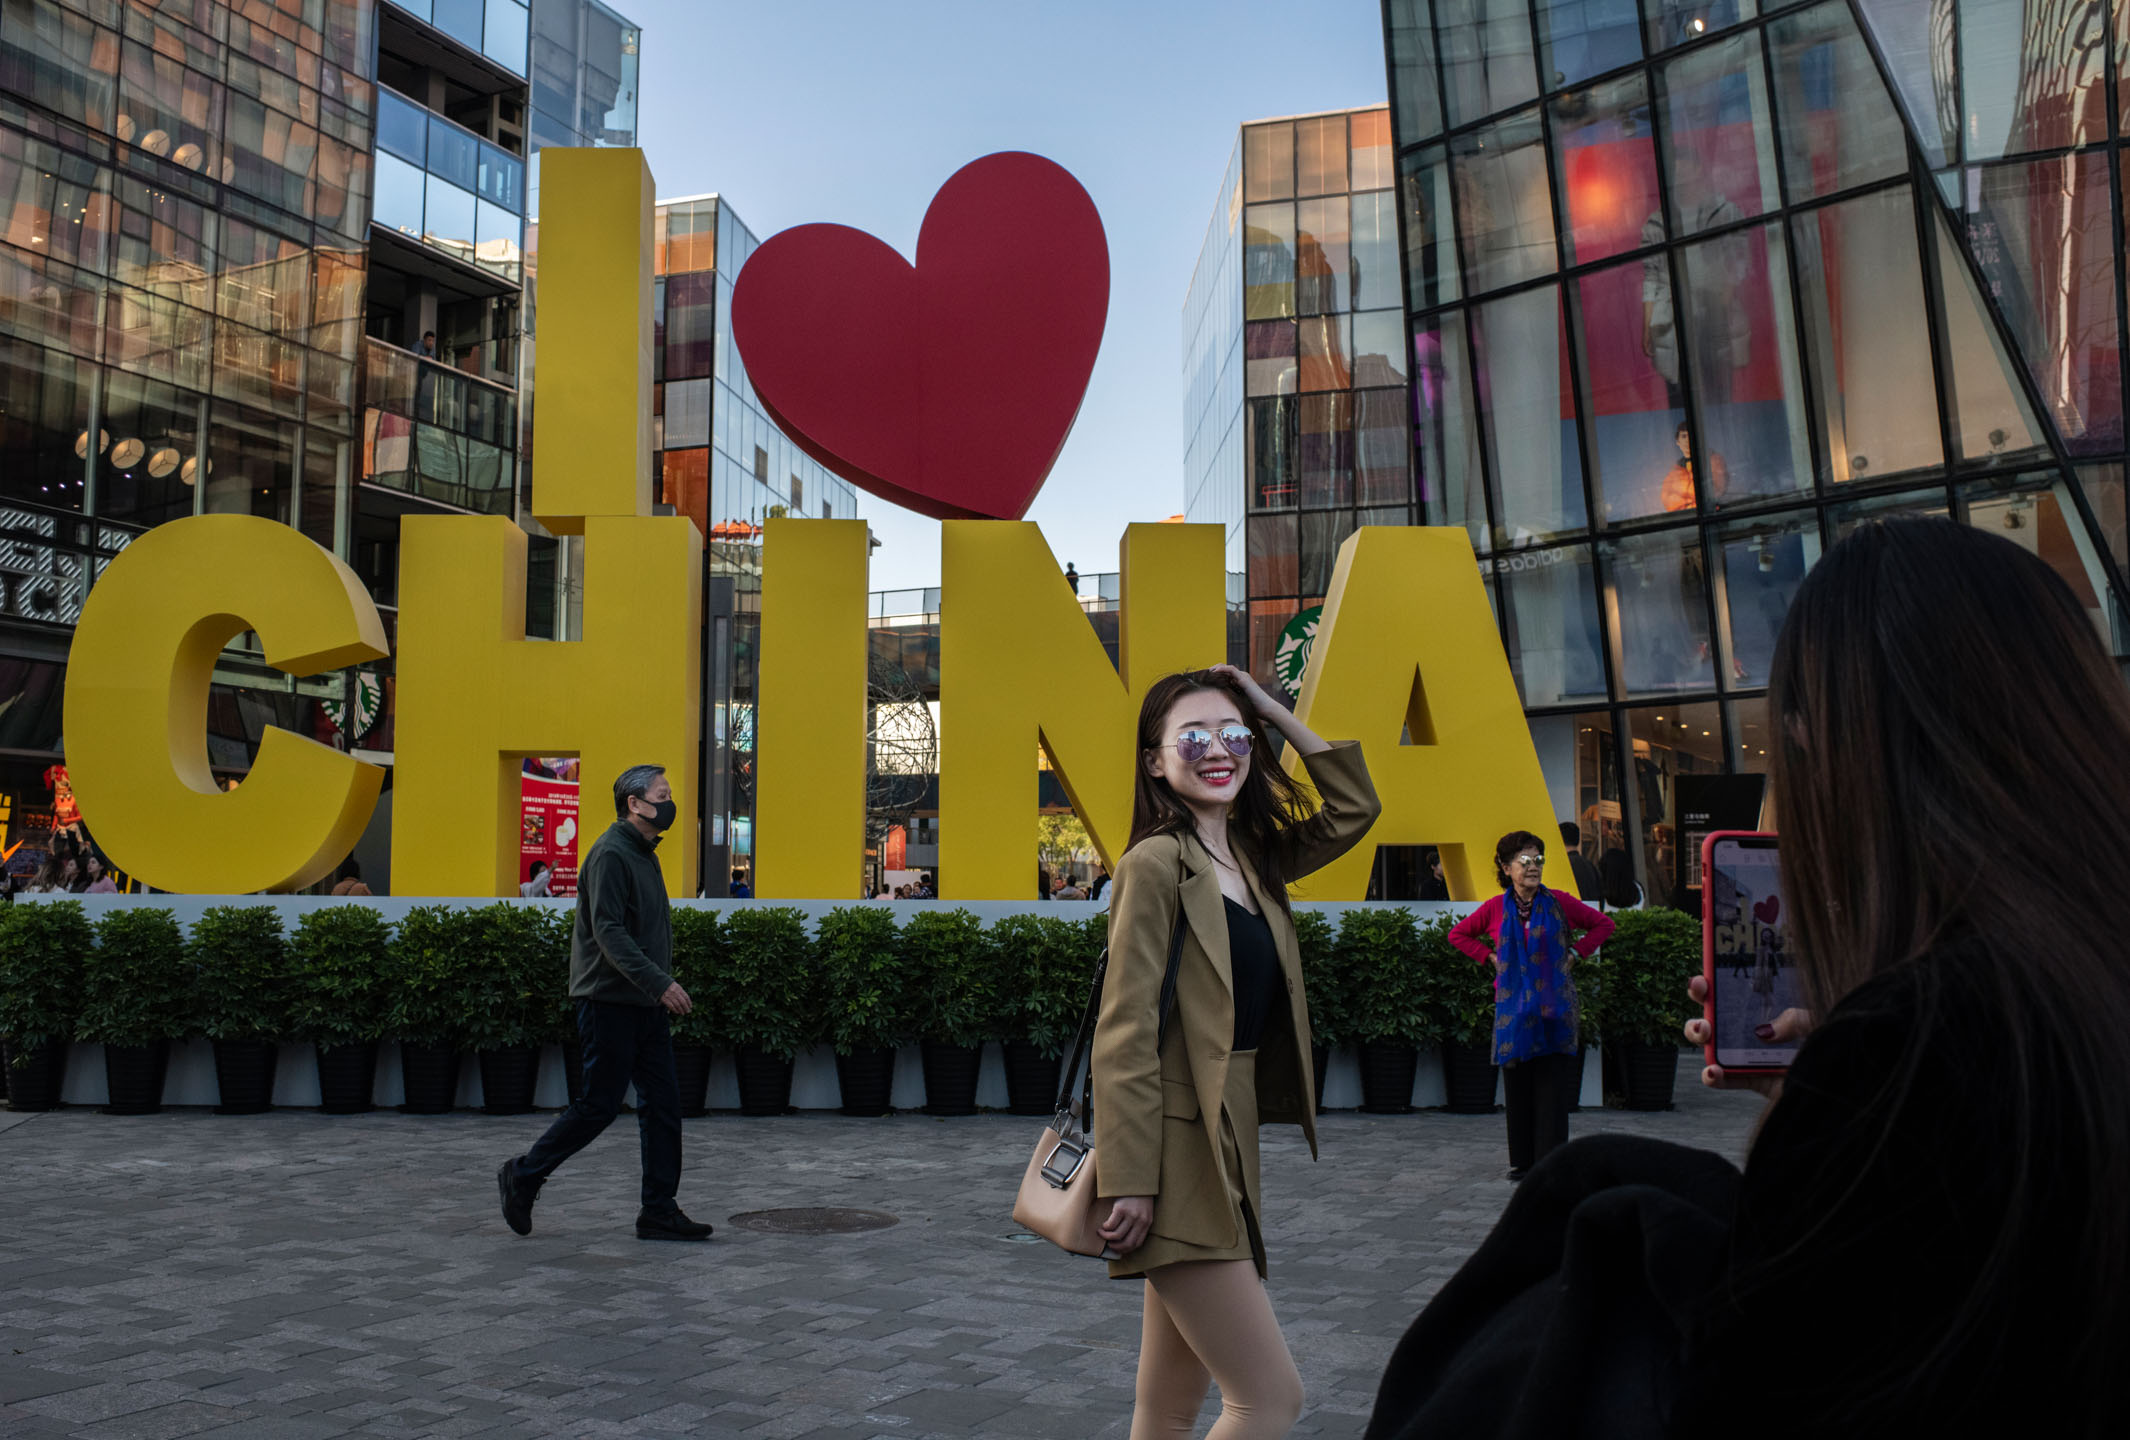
(1217, 832)
(1929, 1236)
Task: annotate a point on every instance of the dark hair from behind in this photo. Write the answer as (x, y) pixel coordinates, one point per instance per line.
(1571, 834)
(1950, 733)
(1268, 802)
(1508, 847)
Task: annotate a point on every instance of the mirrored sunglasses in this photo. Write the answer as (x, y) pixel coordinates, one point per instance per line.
(1193, 745)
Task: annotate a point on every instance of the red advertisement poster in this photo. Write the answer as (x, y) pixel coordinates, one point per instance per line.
(548, 832)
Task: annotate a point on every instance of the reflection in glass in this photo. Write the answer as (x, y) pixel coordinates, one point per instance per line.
(1763, 564)
(1742, 365)
(398, 203)
(503, 179)
(447, 217)
(454, 154)
(1275, 552)
(498, 236)
(1867, 340)
(1379, 348)
(1486, 56)
(1430, 244)
(1845, 518)
(1529, 413)
(461, 20)
(1270, 459)
(2033, 77)
(1320, 155)
(1919, 47)
(1554, 640)
(1989, 413)
(1382, 448)
(1720, 136)
(1268, 261)
(1606, 159)
(1581, 38)
(1375, 250)
(1415, 93)
(1268, 162)
(1749, 735)
(1670, 741)
(1838, 125)
(1657, 586)
(1674, 22)
(1371, 149)
(2104, 489)
(1445, 431)
(402, 126)
(1632, 405)
(1581, 763)
(1504, 214)
(1325, 451)
(2036, 513)
(505, 37)
(1268, 363)
(1326, 345)
(1322, 535)
(45, 395)
(1322, 256)
(1267, 619)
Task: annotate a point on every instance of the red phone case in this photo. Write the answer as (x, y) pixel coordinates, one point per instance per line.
(1708, 949)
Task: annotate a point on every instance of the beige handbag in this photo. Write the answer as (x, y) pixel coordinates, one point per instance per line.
(1057, 1196)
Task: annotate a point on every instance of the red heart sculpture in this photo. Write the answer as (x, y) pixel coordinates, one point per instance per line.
(948, 386)
(1766, 911)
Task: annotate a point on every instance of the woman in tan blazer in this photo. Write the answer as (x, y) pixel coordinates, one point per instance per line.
(1217, 832)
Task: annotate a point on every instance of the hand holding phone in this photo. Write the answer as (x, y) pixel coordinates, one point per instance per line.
(1752, 1016)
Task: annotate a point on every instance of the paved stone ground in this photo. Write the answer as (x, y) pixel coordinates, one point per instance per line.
(295, 1276)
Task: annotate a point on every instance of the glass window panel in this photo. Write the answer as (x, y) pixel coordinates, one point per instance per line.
(1762, 564)
(1504, 214)
(1275, 554)
(1718, 135)
(1867, 342)
(60, 61)
(2104, 489)
(691, 303)
(460, 19)
(1268, 162)
(146, 332)
(2037, 513)
(1446, 429)
(1549, 598)
(1839, 128)
(402, 126)
(1632, 405)
(253, 460)
(448, 217)
(1669, 741)
(1605, 158)
(1374, 252)
(1430, 245)
(263, 279)
(1749, 735)
(1843, 519)
(502, 179)
(1325, 450)
(1989, 413)
(1674, 22)
(1268, 261)
(1322, 535)
(506, 36)
(44, 424)
(1268, 618)
(498, 235)
(171, 111)
(164, 421)
(1323, 259)
(1581, 38)
(691, 237)
(1486, 56)
(1268, 351)
(1581, 763)
(1918, 46)
(1370, 131)
(1271, 460)
(687, 413)
(1327, 348)
(1379, 348)
(1741, 352)
(454, 154)
(2043, 241)
(2032, 77)
(1383, 448)
(1656, 586)
(1415, 90)
(1528, 407)
(1320, 155)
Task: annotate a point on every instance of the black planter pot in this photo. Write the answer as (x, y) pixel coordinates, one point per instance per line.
(1651, 1072)
(573, 1068)
(867, 1078)
(765, 1082)
(509, 1078)
(1387, 1071)
(429, 1076)
(1031, 1079)
(244, 1076)
(34, 1085)
(691, 1067)
(135, 1074)
(347, 1076)
(950, 1073)
(1469, 1079)
(1320, 1060)
(1612, 1071)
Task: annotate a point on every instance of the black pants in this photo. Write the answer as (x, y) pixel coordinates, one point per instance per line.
(1539, 1092)
(621, 1043)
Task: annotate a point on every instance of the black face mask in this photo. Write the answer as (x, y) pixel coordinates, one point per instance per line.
(662, 813)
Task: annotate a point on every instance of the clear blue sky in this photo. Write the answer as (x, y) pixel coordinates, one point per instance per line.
(808, 110)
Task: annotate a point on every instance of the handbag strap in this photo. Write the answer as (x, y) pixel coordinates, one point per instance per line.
(1087, 1025)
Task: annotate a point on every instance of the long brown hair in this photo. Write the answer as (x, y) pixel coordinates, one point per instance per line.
(1950, 737)
(1267, 803)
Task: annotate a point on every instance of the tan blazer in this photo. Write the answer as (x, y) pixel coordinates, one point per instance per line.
(1152, 1134)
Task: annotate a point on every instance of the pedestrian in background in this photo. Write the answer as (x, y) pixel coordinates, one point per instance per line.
(1588, 887)
(621, 962)
(539, 883)
(740, 889)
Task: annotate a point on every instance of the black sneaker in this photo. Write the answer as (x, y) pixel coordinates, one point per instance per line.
(671, 1225)
(518, 1197)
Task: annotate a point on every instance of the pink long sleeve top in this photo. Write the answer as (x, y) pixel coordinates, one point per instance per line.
(1478, 933)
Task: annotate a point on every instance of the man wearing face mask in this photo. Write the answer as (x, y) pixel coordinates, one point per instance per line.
(620, 976)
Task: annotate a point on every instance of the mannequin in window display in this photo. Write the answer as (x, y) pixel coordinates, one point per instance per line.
(1721, 333)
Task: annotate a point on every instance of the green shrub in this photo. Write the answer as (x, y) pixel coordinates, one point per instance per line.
(1323, 981)
(44, 949)
(427, 976)
(338, 959)
(1044, 966)
(1378, 951)
(767, 1001)
(1021, 943)
(954, 977)
(137, 988)
(1641, 990)
(865, 980)
(698, 959)
(557, 1011)
(506, 975)
(1460, 991)
(240, 973)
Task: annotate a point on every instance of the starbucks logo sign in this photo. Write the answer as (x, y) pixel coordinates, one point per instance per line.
(1292, 656)
(369, 702)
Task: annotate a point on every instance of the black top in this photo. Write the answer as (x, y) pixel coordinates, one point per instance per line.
(1253, 960)
(621, 943)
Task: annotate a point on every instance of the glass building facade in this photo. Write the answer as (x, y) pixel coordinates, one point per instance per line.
(1692, 289)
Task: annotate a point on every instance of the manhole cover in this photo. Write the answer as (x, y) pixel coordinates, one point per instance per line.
(814, 1222)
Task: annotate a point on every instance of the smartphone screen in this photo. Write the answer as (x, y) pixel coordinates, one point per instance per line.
(1752, 974)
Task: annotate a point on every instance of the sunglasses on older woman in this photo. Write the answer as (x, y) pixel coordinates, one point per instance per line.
(1192, 745)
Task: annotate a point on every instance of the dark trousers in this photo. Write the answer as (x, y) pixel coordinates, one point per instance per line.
(1539, 1091)
(622, 1043)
